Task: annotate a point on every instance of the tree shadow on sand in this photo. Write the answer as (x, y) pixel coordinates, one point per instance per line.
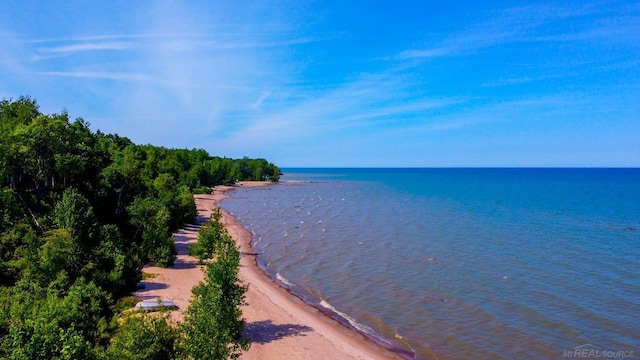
(201, 220)
(265, 331)
(151, 285)
(184, 264)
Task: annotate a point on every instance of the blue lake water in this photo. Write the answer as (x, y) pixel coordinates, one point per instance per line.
(459, 263)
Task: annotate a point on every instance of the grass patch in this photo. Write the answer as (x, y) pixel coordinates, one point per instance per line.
(125, 303)
(147, 276)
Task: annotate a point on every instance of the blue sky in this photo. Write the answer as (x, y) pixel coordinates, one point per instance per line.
(341, 83)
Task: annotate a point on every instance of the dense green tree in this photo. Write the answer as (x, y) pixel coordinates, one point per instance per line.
(74, 214)
(81, 159)
(79, 214)
(186, 206)
(57, 326)
(44, 138)
(210, 235)
(118, 264)
(121, 179)
(204, 248)
(86, 308)
(14, 117)
(57, 258)
(151, 219)
(10, 209)
(177, 199)
(18, 251)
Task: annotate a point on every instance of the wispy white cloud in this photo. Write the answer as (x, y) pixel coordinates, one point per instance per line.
(530, 23)
(370, 105)
(199, 41)
(558, 110)
(99, 75)
(258, 104)
(427, 53)
(213, 81)
(97, 46)
(495, 29)
(12, 51)
(509, 81)
(620, 30)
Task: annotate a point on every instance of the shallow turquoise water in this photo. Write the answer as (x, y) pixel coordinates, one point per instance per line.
(459, 263)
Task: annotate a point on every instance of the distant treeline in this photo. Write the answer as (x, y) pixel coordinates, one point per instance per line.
(80, 213)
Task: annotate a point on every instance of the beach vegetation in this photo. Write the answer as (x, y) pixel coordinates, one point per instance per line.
(213, 325)
(148, 275)
(203, 190)
(142, 336)
(210, 235)
(80, 214)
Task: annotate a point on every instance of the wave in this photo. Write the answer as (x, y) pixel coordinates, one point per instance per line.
(284, 280)
(363, 328)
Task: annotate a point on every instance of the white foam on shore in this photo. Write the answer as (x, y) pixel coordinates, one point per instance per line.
(406, 343)
(360, 327)
(352, 321)
(284, 280)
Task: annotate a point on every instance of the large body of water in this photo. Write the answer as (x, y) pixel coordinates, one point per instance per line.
(460, 263)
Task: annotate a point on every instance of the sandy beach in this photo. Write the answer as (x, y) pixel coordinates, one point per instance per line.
(280, 325)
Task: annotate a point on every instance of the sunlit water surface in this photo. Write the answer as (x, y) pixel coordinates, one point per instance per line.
(459, 263)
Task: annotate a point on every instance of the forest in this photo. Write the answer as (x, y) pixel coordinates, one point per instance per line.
(81, 212)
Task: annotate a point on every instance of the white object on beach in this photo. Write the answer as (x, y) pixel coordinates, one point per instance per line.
(155, 305)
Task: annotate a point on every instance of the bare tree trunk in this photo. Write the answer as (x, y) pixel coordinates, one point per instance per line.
(24, 203)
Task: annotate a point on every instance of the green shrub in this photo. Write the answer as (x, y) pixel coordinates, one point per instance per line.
(203, 190)
(165, 254)
(127, 302)
(145, 337)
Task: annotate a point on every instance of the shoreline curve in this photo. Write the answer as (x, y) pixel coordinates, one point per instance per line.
(282, 325)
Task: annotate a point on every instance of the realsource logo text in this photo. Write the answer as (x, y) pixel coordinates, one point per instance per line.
(588, 351)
